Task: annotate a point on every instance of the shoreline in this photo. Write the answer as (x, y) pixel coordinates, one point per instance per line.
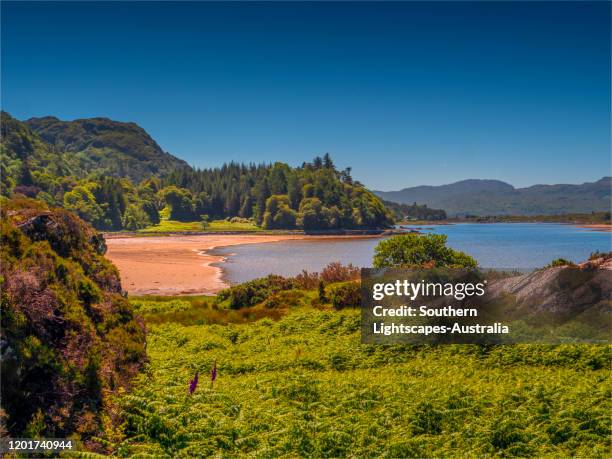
(184, 265)
(273, 233)
(602, 227)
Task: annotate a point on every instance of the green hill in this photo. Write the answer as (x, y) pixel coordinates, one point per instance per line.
(493, 197)
(77, 149)
(24, 154)
(106, 146)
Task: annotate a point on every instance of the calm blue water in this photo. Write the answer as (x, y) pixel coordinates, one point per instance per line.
(495, 245)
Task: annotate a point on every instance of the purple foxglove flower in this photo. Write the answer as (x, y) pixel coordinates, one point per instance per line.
(193, 384)
(213, 372)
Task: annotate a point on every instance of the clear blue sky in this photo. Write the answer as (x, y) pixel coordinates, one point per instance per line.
(405, 93)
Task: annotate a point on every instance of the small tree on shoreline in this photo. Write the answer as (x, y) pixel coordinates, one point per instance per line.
(419, 250)
(205, 223)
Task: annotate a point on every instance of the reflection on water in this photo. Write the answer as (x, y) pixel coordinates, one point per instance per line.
(495, 245)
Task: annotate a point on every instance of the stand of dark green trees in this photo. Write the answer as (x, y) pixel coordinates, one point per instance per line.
(313, 196)
(415, 211)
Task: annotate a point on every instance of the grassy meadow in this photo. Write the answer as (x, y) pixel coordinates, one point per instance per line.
(173, 226)
(298, 382)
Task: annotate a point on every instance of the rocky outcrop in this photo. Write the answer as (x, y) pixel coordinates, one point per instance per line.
(56, 227)
(69, 338)
(561, 290)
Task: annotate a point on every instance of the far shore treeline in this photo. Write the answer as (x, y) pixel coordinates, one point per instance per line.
(114, 176)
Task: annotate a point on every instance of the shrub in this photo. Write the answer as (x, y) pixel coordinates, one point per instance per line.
(410, 250)
(253, 292)
(240, 220)
(307, 280)
(285, 299)
(337, 272)
(333, 272)
(322, 297)
(344, 295)
(597, 254)
(204, 221)
(560, 262)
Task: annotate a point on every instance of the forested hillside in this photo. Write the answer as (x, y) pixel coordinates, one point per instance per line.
(114, 176)
(106, 146)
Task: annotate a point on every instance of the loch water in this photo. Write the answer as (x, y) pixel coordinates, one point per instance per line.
(493, 245)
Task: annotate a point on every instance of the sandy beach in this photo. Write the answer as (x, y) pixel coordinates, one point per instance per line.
(175, 265)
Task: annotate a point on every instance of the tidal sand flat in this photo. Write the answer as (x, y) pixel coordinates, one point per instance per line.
(184, 265)
(175, 265)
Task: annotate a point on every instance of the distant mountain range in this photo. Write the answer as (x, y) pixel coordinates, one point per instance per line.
(494, 197)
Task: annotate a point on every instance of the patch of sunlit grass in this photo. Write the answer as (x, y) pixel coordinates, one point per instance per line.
(173, 226)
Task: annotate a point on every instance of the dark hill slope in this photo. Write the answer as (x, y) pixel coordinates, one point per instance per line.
(69, 338)
(41, 150)
(107, 146)
(493, 197)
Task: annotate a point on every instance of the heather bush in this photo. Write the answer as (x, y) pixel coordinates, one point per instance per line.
(344, 294)
(253, 292)
(333, 272)
(337, 272)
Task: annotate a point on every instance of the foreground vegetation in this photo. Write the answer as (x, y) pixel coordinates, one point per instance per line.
(282, 372)
(305, 386)
(279, 364)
